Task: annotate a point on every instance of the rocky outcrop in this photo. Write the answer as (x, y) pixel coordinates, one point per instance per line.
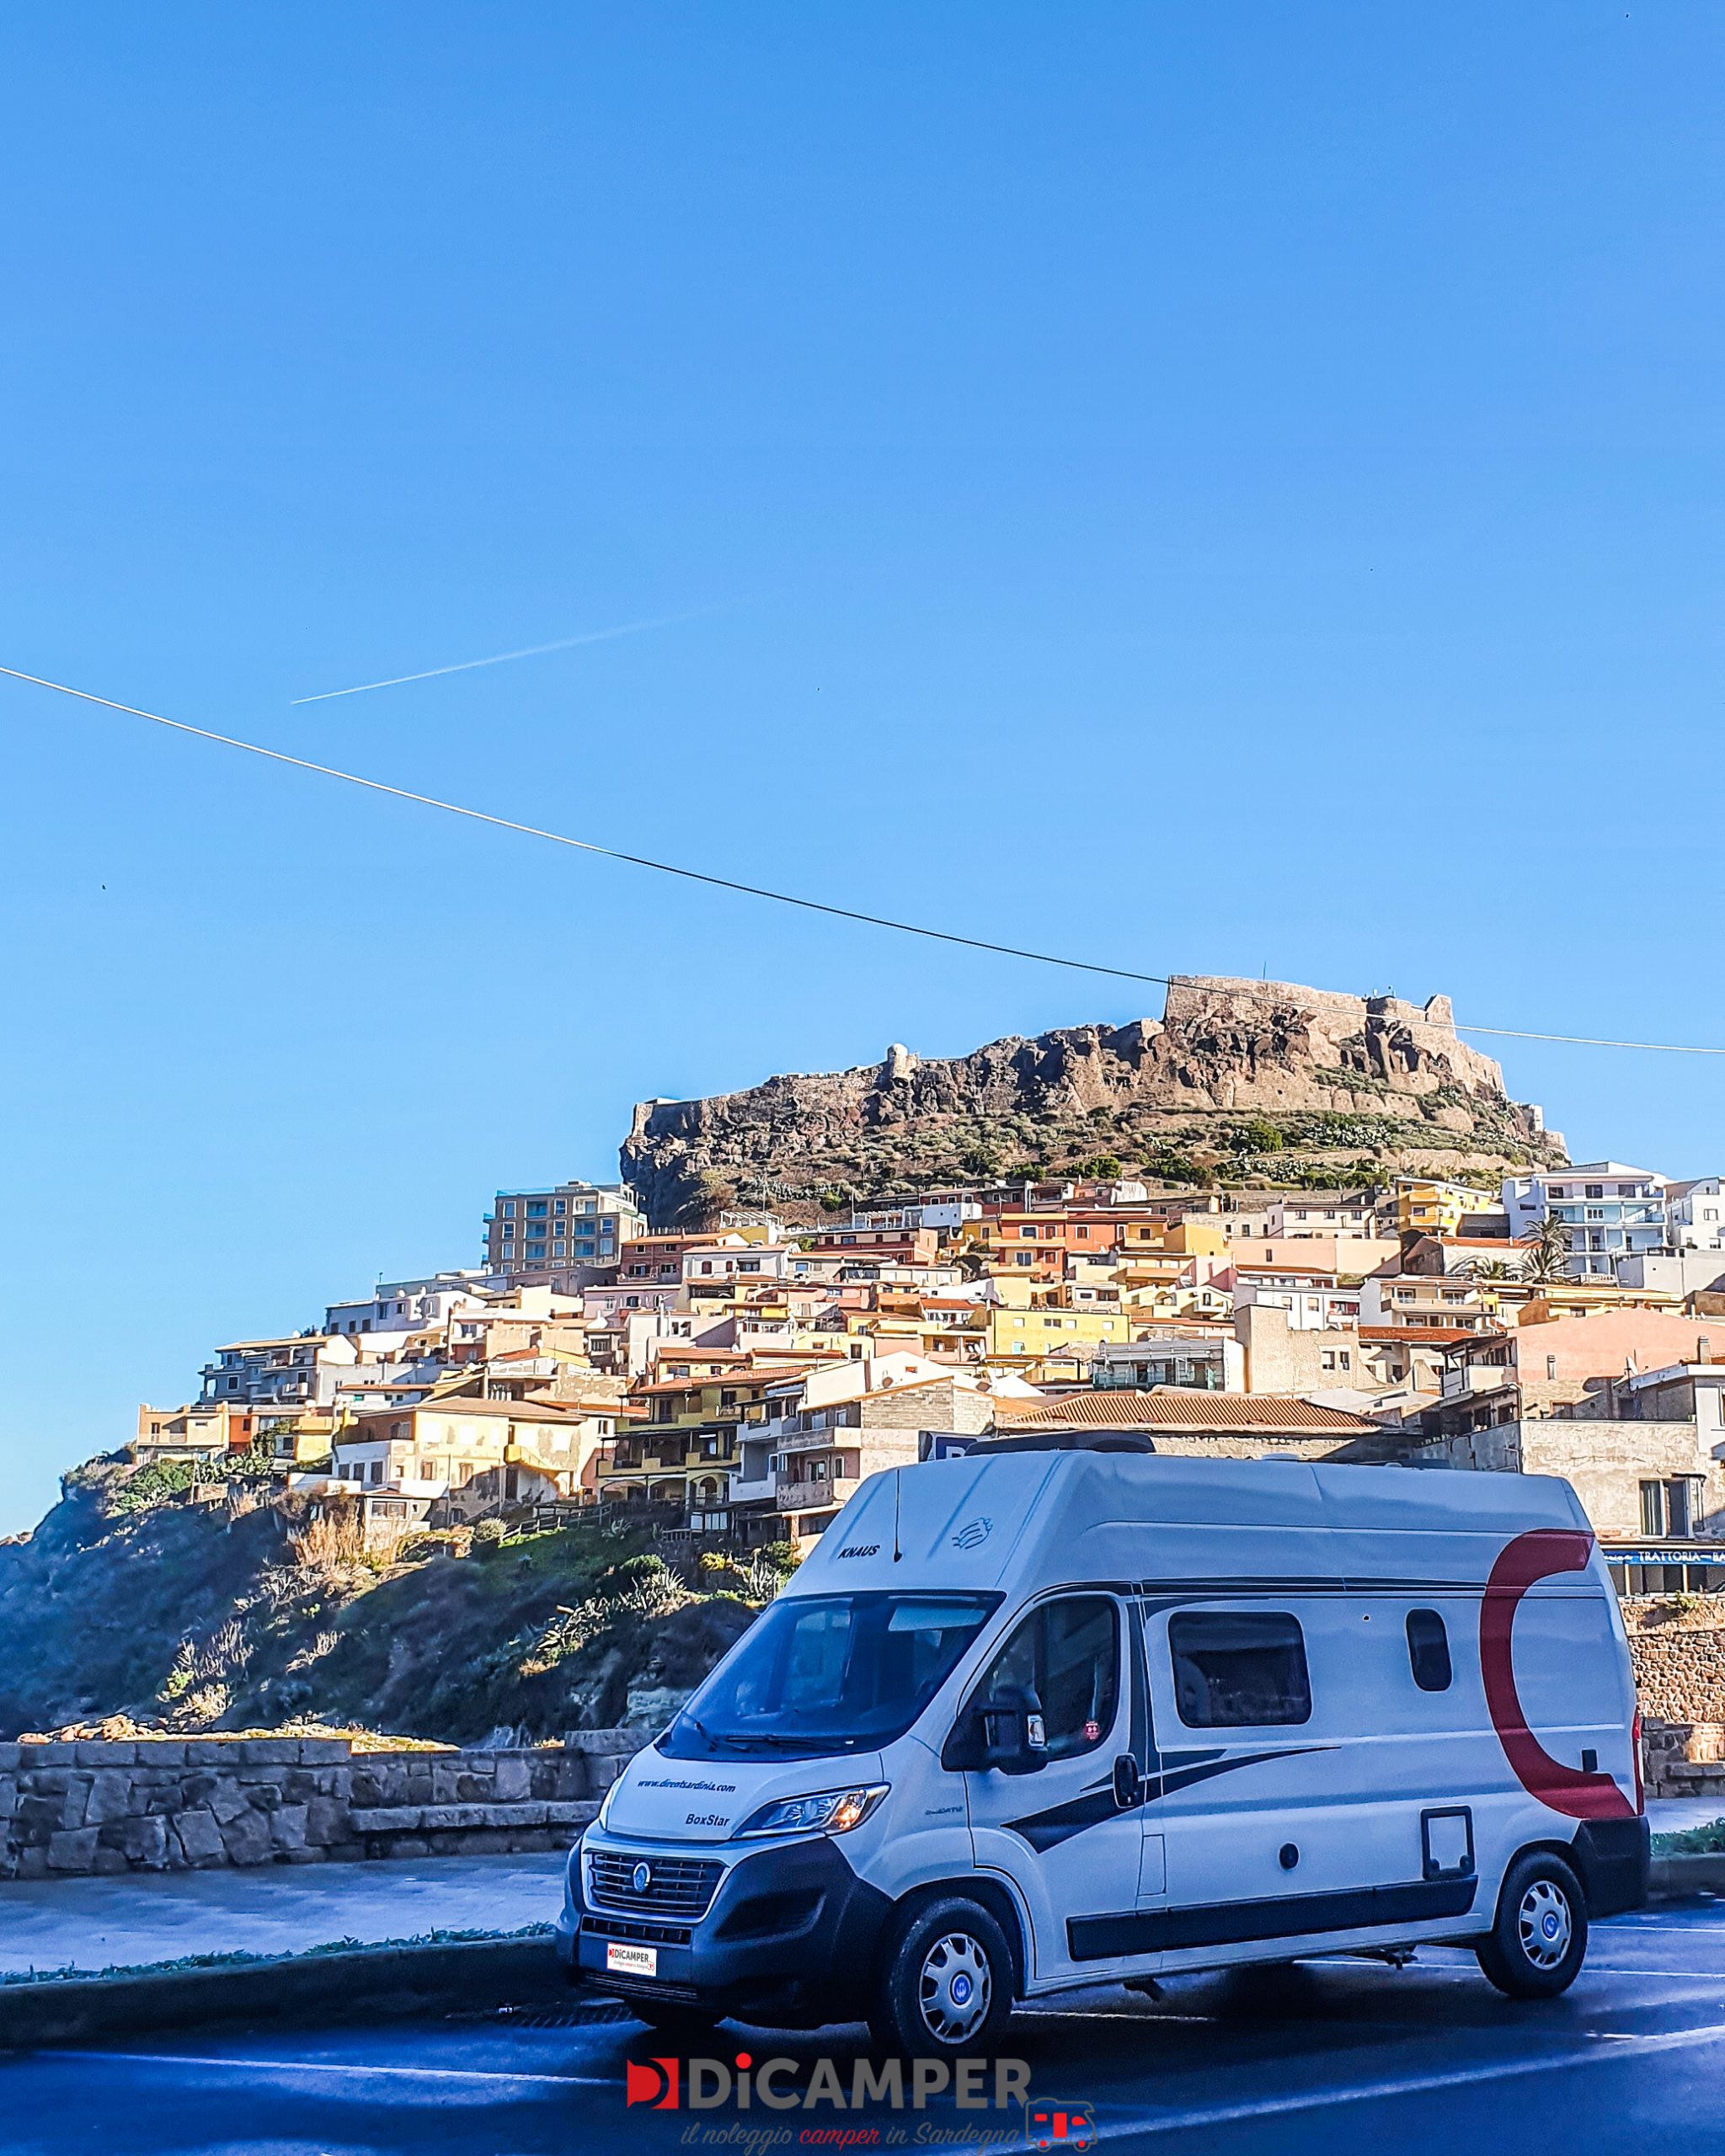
(1233, 1073)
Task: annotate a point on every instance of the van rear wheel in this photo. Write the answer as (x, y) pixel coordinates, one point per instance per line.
(946, 1986)
(1535, 1948)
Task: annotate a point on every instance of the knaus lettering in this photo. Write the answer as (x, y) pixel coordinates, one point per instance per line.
(707, 2084)
(859, 1550)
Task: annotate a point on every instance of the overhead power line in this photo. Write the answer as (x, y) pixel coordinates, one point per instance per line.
(756, 890)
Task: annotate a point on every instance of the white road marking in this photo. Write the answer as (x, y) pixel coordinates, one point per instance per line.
(1414, 2084)
(242, 2065)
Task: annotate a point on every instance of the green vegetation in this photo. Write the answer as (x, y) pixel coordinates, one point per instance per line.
(189, 1618)
(1693, 1841)
(161, 1482)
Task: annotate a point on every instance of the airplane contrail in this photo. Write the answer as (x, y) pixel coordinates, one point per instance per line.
(501, 658)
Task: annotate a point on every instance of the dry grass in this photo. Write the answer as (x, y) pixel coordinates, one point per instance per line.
(331, 1541)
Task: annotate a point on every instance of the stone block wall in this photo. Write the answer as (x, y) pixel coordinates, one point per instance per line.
(1684, 1758)
(173, 1804)
(1680, 1672)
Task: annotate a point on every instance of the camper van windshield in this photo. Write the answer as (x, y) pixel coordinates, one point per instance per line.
(828, 1674)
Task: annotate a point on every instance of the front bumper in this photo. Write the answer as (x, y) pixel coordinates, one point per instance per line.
(791, 1931)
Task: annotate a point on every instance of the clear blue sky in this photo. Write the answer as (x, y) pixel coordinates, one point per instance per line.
(1212, 487)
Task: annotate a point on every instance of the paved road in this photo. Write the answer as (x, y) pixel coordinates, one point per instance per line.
(1333, 2057)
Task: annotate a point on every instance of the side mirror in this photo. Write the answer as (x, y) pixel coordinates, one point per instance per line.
(1013, 1734)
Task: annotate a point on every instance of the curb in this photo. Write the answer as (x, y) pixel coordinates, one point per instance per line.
(1673, 1878)
(387, 1983)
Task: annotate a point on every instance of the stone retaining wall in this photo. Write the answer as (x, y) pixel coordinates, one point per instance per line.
(1680, 1672)
(173, 1804)
(1684, 1758)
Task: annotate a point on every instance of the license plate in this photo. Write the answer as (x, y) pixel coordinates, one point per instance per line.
(631, 1961)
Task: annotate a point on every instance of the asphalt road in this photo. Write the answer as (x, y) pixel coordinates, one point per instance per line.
(1335, 2057)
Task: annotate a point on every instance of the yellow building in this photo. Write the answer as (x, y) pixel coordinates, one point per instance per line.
(1427, 1207)
(680, 1443)
(1038, 1333)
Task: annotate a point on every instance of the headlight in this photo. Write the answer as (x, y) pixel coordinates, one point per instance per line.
(832, 1812)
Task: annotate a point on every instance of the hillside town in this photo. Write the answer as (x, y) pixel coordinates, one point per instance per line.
(729, 1387)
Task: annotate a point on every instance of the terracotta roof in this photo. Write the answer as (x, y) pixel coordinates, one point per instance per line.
(1184, 1407)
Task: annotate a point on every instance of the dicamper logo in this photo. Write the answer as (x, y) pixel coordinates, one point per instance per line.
(788, 2084)
(655, 2084)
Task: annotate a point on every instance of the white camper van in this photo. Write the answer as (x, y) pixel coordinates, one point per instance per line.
(1032, 1717)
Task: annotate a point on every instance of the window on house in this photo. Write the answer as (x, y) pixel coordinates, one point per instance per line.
(1551, 1367)
(1244, 1670)
(1428, 1650)
(1594, 1190)
(1672, 1508)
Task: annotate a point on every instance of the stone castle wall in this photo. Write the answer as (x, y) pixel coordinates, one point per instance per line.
(172, 1804)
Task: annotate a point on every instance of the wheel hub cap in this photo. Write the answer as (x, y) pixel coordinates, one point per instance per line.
(954, 1987)
(1544, 1923)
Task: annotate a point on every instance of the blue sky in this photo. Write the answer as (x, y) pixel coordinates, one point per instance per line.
(1214, 489)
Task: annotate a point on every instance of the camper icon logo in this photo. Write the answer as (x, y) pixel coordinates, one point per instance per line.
(973, 1532)
(1061, 2125)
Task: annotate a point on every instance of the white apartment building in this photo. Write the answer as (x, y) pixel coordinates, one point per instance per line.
(1314, 1301)
(1695, 1214)
(300, 1371)
(406, 1306)
(1611, 1210)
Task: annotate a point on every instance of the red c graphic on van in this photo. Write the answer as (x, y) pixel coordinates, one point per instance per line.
(1530, 1557)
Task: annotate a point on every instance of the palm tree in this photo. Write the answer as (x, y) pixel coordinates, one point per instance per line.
(1548, 1248)
(1489, 1269)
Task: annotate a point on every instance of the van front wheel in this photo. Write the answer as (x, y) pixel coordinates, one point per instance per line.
(946, 1989)
(1535, 1948)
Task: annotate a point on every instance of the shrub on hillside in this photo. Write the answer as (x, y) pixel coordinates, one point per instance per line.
(161, 1481)
(488, 1538)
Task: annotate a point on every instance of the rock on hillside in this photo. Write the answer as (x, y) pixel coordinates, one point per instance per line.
(201, 1618)
(1248, 1081)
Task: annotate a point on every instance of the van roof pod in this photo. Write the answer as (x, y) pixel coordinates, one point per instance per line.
(1066, 1441)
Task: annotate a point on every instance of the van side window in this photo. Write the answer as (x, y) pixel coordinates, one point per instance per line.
(1238, 1669)
(1428, 1650)
(1068, 1653)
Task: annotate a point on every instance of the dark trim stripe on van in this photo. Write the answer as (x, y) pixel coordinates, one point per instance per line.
(1172, 1771)
(1281, 1916)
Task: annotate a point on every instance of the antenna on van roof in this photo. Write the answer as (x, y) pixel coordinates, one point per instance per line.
(898, 1477)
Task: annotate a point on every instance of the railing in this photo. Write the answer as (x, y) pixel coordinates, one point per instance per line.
(813, 1496)
(846, 1416)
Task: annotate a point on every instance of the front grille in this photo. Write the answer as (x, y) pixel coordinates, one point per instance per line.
(649, 1935)
(677, 1886)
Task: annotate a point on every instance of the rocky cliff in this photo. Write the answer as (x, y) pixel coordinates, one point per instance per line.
(1239, 1081)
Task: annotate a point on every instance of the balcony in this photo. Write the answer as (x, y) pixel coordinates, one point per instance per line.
(815, 1497)
(1474, 1377)
(846, 1416)
(754, 1489)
